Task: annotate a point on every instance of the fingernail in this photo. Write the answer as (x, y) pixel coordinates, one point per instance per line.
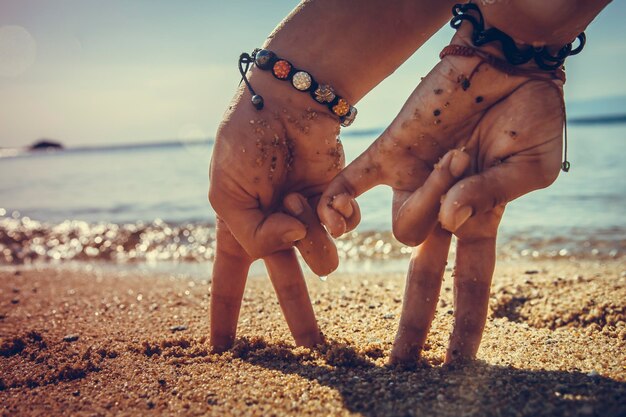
(294, 206)
(460, 162)
(461, 217)
(293, 236)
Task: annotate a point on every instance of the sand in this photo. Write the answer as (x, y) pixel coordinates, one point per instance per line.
(113, 343)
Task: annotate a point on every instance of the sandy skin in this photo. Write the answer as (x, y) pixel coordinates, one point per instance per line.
(252, 198)
(266, 162)
(470, 139)
(76, 343)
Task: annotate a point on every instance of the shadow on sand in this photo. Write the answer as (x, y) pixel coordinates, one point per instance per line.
(473, 389)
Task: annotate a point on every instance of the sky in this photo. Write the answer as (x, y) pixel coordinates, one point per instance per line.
(89, 72)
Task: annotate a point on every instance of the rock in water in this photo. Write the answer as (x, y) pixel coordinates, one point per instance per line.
(45, 144)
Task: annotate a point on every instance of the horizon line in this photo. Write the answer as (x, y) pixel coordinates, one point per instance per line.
(586, 120)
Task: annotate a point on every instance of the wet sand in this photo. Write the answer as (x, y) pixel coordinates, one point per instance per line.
(111, 343)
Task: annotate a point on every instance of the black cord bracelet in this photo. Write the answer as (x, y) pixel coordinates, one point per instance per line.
(301, 80)
(513, 54)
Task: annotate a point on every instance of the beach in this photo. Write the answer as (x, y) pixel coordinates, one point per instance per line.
(111, 117)
(105, 289)
(99, 342)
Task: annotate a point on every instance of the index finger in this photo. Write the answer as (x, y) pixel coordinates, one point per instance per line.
(293, 297)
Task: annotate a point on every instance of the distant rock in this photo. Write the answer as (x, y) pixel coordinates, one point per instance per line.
(45, 144)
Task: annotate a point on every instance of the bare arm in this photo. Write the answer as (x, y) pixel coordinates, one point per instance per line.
(355, 44)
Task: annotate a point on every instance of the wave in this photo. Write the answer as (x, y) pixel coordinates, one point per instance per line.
(27, 241)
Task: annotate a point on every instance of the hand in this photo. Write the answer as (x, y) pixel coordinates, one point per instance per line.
(267, 170)
(510, 128)
(252, 171)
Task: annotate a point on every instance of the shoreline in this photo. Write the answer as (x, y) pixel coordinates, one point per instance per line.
(173, 245)
(121, 342)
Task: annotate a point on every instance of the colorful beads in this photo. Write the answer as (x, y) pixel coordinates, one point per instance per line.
(349, 118)
(324, 93)
(281, 69)
(301, 80)
(264, 58)
(341, 108)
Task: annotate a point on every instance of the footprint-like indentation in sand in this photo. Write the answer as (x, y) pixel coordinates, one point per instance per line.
(596, 303)
(44, 362)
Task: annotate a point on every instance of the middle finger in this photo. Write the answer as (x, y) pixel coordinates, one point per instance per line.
(288, 281)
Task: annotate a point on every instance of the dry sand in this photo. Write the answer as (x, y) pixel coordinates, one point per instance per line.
(95, 344)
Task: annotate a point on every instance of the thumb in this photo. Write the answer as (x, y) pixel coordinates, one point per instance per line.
(337, 208)
(261, 236)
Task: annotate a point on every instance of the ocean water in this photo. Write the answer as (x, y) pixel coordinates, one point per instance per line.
(149, 203)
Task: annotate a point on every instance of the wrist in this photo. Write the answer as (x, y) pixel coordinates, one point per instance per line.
(297, 110)
(301, 80)
(288, 118)
(539, 23)
(476, 31)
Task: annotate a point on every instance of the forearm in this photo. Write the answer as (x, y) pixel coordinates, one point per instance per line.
(541, 22)
(354, 44)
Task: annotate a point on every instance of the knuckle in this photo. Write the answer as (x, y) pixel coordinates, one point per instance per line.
(338, 231)
(404, 236)
(255, 253)
(215, 197)
(352, 223)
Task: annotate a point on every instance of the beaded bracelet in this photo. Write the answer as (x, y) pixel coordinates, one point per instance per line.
(301, 80)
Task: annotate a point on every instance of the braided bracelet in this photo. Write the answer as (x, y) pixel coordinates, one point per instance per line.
(301, 80)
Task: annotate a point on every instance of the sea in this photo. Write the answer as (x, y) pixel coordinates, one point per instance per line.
(145, 207)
